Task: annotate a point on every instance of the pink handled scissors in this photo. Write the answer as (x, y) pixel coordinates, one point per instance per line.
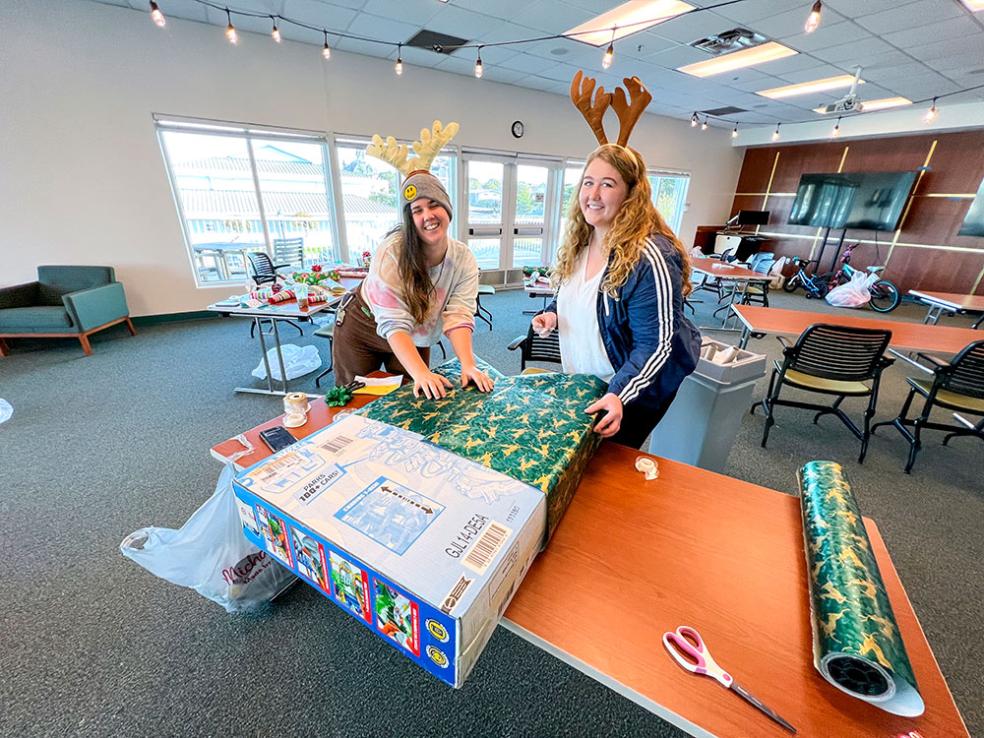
(687, 648)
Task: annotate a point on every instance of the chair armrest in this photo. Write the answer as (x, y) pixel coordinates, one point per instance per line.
(280, 266)
(96, 306)
(934, 360)
(784, 341)
(886, 361)
(516, 343)
(19, 295)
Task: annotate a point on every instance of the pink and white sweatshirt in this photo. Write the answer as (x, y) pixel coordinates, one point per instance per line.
(452, 303)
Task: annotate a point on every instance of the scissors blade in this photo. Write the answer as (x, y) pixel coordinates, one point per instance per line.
(751, 699)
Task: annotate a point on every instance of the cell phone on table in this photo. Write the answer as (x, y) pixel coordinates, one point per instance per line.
(277, 438)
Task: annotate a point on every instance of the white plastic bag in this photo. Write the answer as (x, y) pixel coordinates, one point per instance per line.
(211, 555)
(6, 410)
(853, 294)
(297, 361)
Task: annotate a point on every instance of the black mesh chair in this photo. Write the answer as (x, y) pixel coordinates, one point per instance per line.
(265, 272)
(289, 252)
(830, 360)
(534, 348)
(955, 385)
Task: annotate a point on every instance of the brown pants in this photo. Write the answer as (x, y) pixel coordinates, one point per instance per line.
(357, 348)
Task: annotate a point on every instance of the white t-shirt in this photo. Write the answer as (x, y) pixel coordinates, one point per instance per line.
(581, 348)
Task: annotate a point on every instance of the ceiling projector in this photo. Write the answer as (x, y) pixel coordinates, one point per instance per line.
(850, 103)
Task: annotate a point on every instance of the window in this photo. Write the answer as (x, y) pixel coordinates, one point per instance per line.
(670, 196)
(242, 190)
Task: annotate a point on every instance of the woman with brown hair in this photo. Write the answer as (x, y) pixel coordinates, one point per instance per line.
(421, 283)
(622, 277)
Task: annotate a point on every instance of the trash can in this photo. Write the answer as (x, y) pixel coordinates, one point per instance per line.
(700, 426)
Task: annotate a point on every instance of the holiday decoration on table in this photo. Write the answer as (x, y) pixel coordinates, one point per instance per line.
(532, 428)
(856, 641)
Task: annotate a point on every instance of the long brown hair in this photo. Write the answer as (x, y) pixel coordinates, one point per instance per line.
(635, 221)
(416, 281)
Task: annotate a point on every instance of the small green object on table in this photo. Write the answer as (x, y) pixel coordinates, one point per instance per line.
(338, 396)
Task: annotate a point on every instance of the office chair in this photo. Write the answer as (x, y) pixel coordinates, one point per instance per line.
(534, 348)
(265, 272)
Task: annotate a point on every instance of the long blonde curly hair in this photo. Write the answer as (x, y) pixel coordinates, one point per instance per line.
(636, 220)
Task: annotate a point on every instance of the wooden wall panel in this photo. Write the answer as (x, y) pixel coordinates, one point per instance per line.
(755, 170)
(797, 160)
(746, 202)
(956, 167)
(933, 269)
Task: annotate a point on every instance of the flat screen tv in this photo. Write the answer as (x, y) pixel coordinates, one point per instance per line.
(973, 224)
(753, 217)
(869, 200)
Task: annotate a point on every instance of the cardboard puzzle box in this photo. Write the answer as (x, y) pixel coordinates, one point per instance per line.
(423, 547)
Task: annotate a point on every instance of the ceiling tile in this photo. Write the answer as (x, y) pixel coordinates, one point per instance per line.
(860, 8)
(922, 33)
(830, 34)
(970, 50)
(808, 75)
(751, 11)
(900, 18)
(414, 12)
(791, 22)
(692, 26)
(500, 74)
(544, 16)
(457, 22)
(852, 56)
(526, 63)
(382, 29)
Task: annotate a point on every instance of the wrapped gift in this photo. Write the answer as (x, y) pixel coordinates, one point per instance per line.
(532, 428)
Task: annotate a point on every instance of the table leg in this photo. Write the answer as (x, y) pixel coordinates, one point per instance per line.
(746, 333)
(263, 348)
(280, 356)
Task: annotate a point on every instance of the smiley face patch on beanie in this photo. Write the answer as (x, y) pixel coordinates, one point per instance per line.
(410, 193)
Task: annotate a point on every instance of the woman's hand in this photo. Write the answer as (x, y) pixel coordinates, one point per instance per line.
(611, 419)
(434, 386)
(477, 377)
(544, 324)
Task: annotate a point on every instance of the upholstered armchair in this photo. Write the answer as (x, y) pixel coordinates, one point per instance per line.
(74, 301)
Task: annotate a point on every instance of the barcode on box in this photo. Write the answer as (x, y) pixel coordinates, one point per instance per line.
(336, 444)
(486, 547)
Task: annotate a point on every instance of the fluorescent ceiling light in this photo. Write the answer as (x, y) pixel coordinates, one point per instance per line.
(805, 88)
(626, 19)
(872, 105)
(975, 5)
(737, 60)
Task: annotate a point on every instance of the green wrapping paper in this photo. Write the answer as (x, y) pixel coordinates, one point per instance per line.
(856, 642)
(532, 428)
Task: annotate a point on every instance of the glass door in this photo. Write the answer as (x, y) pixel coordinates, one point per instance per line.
(532, 202)
(485, 185)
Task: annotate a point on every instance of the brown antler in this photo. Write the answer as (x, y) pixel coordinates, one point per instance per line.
(592, 110)
(628, 115)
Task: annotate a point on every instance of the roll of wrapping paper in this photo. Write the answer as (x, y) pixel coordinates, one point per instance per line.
(857, 646)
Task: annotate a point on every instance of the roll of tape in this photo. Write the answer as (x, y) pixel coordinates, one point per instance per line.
(647, 466)
(296, 403)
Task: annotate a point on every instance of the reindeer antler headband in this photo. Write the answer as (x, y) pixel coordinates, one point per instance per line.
(426, 149)
(593, 104)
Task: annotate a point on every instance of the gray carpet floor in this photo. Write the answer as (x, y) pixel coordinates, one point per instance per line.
(93, 645)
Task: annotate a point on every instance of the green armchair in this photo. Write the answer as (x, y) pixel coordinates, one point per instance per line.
(65, 301)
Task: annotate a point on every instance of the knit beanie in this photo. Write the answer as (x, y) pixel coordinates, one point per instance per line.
(424, 184)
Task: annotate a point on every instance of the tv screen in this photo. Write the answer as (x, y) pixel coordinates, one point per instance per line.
(753, 217)
(870, 200)
(973, 224)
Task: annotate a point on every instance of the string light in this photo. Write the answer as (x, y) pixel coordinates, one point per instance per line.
(156, 15)
(703, 126)
(606, 60)
(325, 51)
(479, 70)
(734, 133)
(775, 133)
(932, 113)
(837, 129)
(230, 31)
(813, 19)
(275, 33)
(399, 60)
(693, 120)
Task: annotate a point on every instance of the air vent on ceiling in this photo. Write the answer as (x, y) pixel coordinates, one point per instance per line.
(728, 41)
(727, 110)
(442, 43)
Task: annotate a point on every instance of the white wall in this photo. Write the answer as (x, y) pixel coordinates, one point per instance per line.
(81, 175)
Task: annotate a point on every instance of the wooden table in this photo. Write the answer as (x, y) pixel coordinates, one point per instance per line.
(949, 302)
(906, 336)
(720, 271)
(632, 559)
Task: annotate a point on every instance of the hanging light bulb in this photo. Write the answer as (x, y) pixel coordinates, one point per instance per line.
(231, 30)
(156, 15)
(703, 126)
(837, 129)
(606, 60)
(399, 60)
(775, 133)
(479, 70)
(734, 133)
(932, 113)
(325, 51)
(693, 120)
(275, 33)
(813, 19)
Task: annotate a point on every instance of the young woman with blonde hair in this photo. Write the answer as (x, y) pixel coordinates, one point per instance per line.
(622, 277)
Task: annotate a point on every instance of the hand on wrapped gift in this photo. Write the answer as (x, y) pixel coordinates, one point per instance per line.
(477, 377)
(434, 386)
(610, 417)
